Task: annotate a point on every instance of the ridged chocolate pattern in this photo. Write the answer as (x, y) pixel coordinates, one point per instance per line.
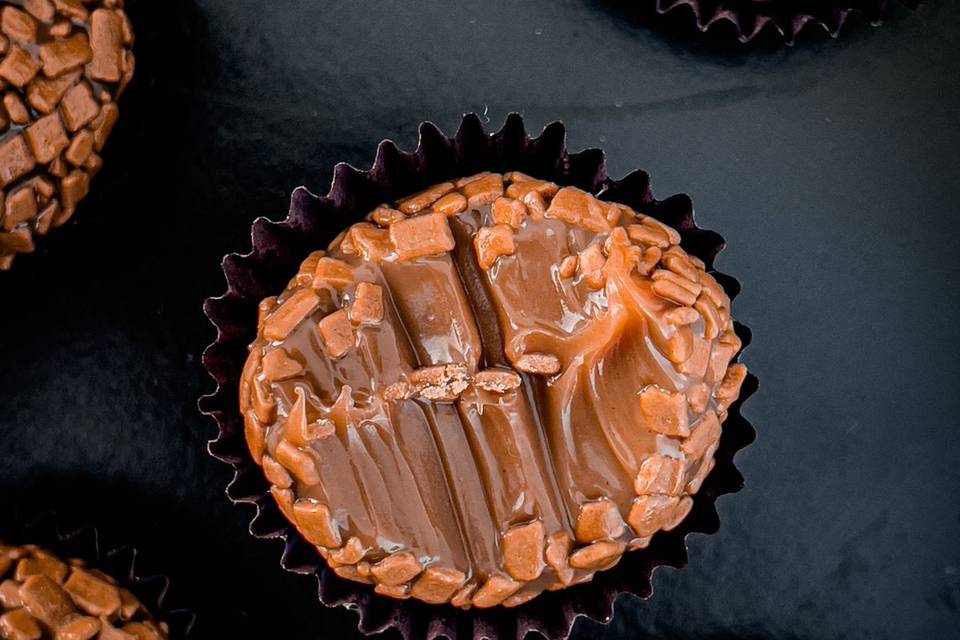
(278, 249)
(750, 18)
(84, 543)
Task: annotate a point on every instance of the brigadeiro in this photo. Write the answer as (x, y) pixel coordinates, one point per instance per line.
(43, 596)
(488, 388)
(63, 64)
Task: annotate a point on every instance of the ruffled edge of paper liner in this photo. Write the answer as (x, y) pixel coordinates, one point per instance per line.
(85, 543)
(278, 249)
(751, 18)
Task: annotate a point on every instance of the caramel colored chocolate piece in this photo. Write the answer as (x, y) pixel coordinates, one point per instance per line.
(571, 394)
(558, 554)
(350, 553)
(10, 594)
(464, 596)
(45, 600)
(18, 67)
(290, 313)
(316, 523)
(367, 307)
(580, 209)
(278, 365)
(276, 473)
(493, 242)
(16, 110)
(598, 520)
(703, 435)
(78, 106)
(450, 204)
(659, 474)
(331, 272)
(598, 555)
(19, 625)
(298, 462)
(73, 188)
(47, 138)
(509, 212)
(83, 628)
(385, 216)
(424, 199)
(106, 35)
(520, 189)
(61, 56)
(650, 513)
(396, 569)
(494, 591)
(523, 551)
(664, 412)
(41, 564)
(16, 159)
(400, 591)
(21, 206)
(437, 585)
(18, 25)
(421, 236)
(337, 333)
(42, 10)
(484, 190)
(94, 596)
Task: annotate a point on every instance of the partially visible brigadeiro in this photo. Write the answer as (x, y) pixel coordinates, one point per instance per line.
(44, 597)
(63, 64)
(482, 375)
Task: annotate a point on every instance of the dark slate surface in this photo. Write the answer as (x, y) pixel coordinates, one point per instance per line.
(830, 168)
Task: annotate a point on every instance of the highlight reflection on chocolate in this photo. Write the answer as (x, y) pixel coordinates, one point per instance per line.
(494, 388)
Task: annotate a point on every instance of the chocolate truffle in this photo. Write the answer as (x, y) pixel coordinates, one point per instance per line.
(493, 387)
(42, 596)
(63, 64)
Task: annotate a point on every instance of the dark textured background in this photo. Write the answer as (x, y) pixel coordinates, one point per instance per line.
(831, 169)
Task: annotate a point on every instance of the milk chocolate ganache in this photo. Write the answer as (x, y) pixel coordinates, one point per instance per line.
(492, 388)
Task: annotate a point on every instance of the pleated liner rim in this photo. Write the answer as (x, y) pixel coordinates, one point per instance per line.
(84, 542)
(750, 18)
(278, 249)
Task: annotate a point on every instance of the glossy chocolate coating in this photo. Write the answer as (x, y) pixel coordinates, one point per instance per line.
(493, 389)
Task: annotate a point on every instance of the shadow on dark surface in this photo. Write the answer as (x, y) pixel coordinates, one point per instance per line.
(829, 167)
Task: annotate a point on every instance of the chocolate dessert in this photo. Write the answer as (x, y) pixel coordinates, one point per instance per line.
(63, 64)
(494, 387)
(45, 597)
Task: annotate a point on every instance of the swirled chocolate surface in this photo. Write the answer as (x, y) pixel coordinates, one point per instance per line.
(493, 387)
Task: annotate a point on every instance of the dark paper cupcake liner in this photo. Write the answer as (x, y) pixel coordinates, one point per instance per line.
(784, 18)
(84, 542)
(279, 247)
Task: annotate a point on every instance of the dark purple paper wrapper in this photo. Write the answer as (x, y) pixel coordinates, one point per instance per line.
(84, 542)
(784, 18)
(278, 249)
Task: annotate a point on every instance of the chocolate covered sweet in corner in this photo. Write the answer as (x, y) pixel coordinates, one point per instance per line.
(491, 388)
(43, 597)
(63, 64)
